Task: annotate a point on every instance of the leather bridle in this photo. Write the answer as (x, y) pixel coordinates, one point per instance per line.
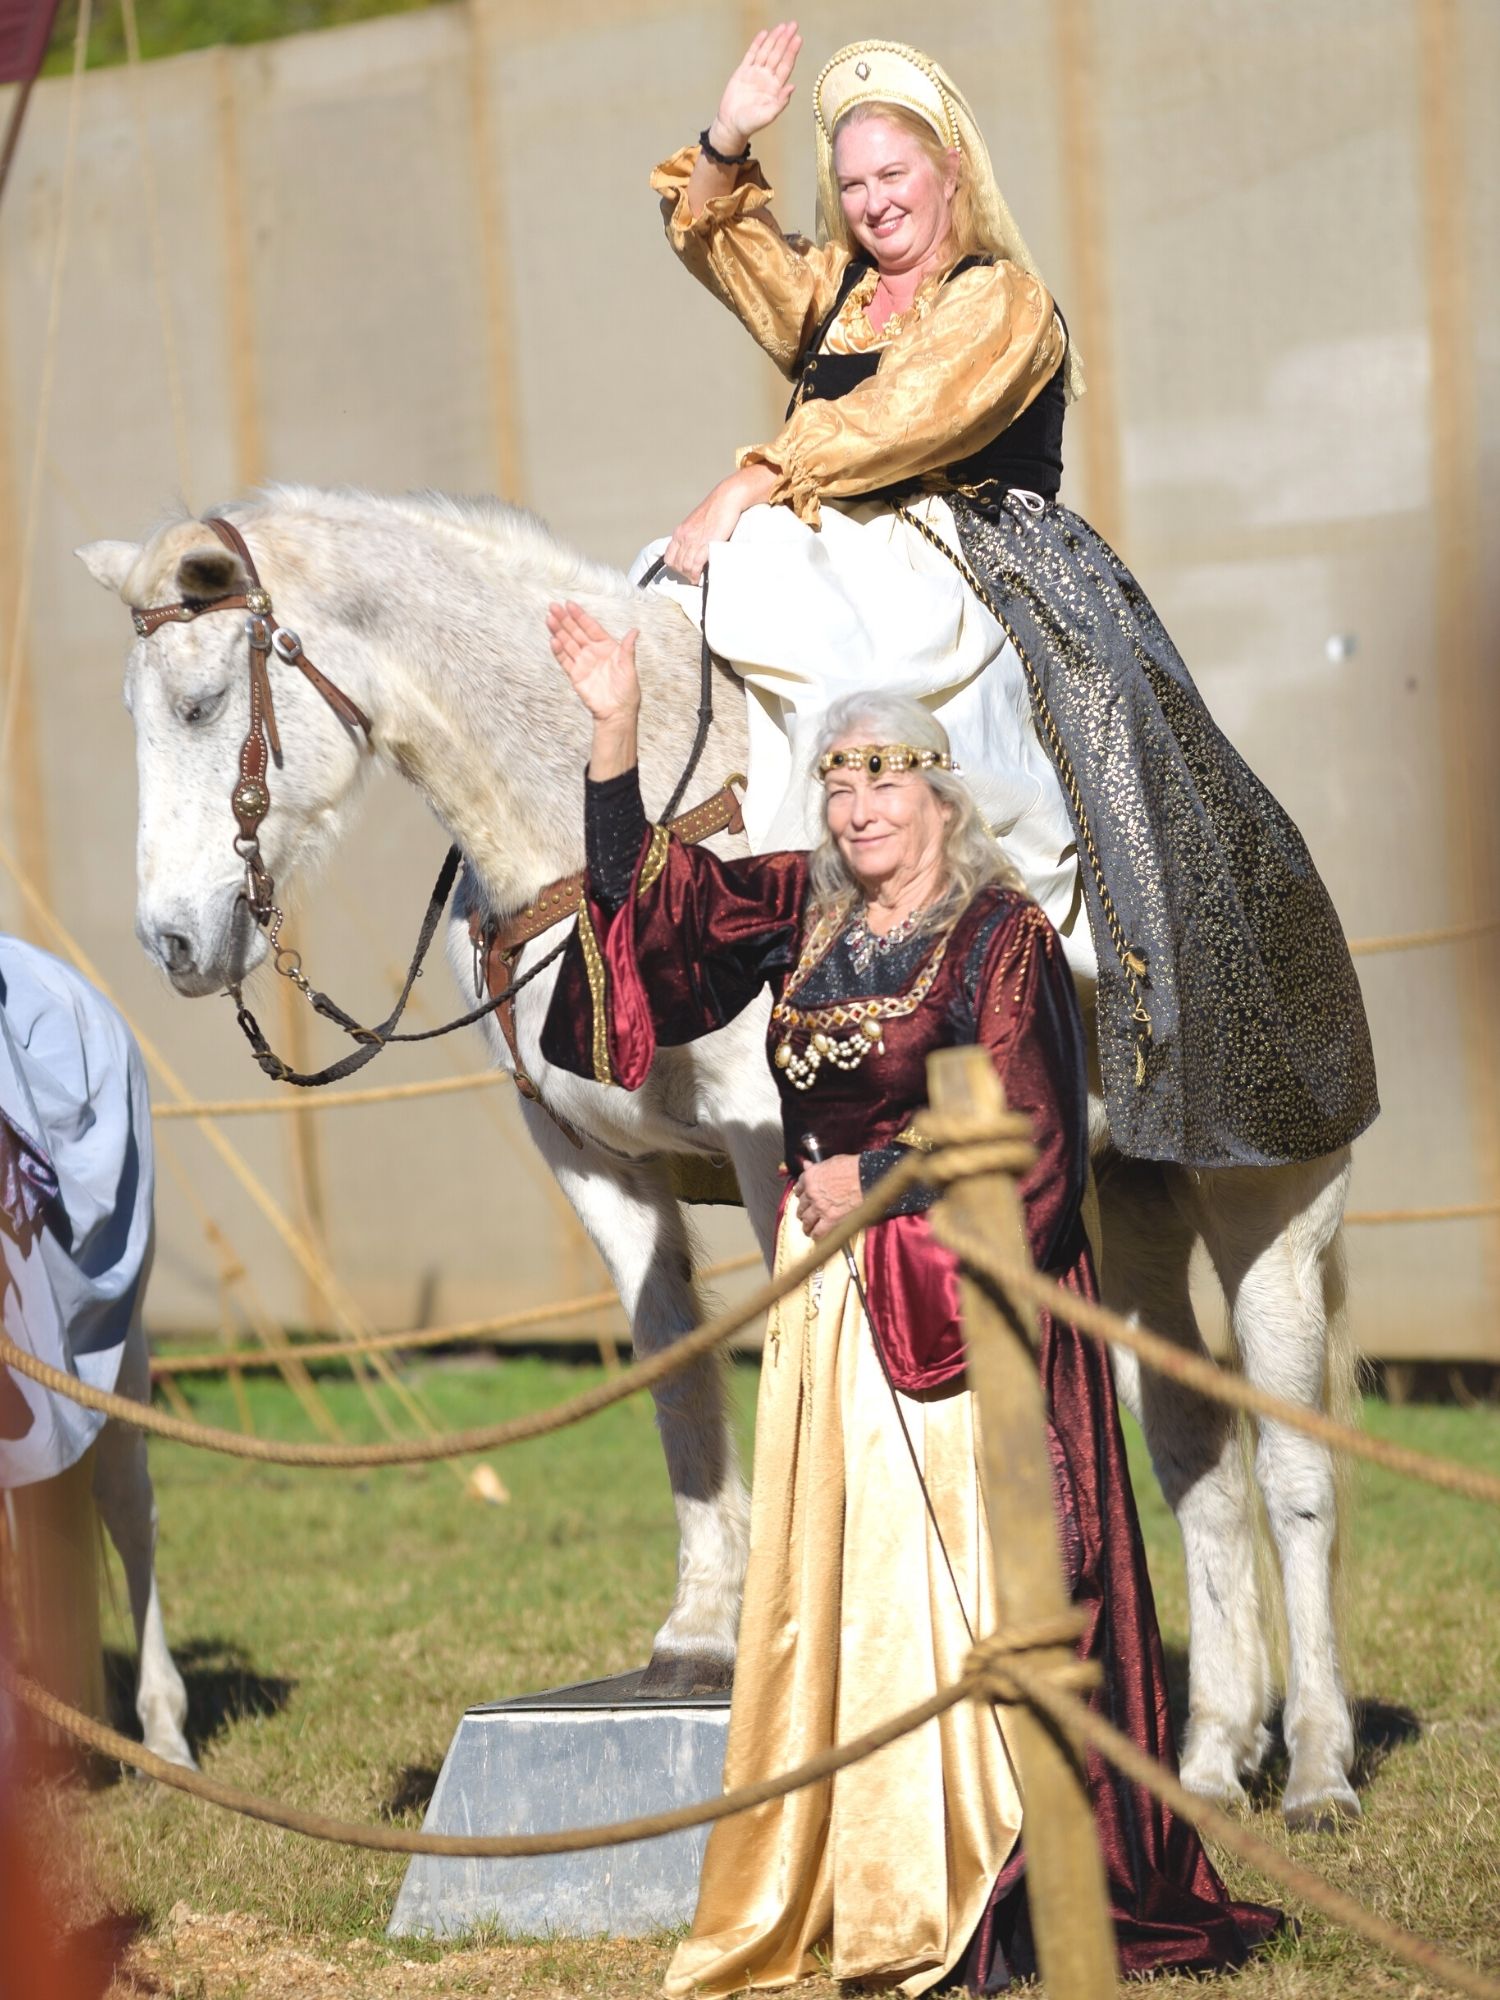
(250, 801)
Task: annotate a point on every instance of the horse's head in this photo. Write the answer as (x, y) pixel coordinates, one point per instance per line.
(188, 690)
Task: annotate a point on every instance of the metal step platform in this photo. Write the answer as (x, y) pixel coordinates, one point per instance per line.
(572, 1756)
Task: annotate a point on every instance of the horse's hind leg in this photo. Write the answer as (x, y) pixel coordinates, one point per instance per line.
(127, 1506)
(1273, 1233)
(637, 1227)
(1195, 1449)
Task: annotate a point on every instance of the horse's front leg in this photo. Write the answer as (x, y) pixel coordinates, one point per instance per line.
(1274, 1235)
(1195, 1450)
(127, 1506)
(637, 1226)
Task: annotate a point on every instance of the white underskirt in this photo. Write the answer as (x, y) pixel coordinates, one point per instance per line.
(805, 616)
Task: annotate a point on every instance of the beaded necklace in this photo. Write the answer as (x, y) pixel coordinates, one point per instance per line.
(866, 945)
(865, 1017)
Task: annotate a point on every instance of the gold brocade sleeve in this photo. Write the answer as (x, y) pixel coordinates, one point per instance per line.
(779, 287)
(947, 384)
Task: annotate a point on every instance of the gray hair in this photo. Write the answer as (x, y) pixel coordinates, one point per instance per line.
(972, 858)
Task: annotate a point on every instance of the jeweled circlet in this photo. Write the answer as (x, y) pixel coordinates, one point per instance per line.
(878, 757)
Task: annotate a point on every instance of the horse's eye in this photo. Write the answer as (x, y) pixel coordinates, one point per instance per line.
(202, 709)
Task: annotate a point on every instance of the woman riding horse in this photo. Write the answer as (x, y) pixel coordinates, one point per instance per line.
(903, 528)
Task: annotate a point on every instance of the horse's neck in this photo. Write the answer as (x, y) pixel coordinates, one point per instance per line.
(469, 705)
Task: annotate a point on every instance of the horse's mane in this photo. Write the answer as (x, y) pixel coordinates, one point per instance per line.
(511, 535)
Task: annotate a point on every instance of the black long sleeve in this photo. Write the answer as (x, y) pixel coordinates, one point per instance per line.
(614, 831)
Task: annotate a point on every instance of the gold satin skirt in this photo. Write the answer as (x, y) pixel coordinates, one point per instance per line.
(850, 1615)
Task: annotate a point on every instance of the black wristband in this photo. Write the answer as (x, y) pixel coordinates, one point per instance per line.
(711, 152)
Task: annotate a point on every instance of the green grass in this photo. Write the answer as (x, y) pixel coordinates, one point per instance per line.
(170, 27)
(332, 1626)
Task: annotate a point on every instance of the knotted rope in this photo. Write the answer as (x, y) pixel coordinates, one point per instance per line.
(990, 1659)
(997, 1670)
(1081, 1722)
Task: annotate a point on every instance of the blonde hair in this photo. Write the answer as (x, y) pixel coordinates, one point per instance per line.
(966, 233)
(972, 857)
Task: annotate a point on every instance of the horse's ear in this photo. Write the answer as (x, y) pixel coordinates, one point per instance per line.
(214, 572)
(109, 563)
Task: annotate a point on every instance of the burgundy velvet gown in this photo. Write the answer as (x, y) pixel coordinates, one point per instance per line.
(696, 939)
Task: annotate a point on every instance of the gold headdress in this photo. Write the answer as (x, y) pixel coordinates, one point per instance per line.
(892, 73)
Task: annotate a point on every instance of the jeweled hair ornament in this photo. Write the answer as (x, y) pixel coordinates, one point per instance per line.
(892, 73)
(878, 757)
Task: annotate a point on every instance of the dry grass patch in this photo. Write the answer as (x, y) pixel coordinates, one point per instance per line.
(332, 1627)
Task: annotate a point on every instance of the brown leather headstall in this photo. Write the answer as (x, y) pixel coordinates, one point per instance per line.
(250, 800)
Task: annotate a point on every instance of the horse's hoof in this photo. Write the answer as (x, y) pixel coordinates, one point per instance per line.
(1213, 1777)
(1327, 1815)
(173, 1750)
(675, 1675)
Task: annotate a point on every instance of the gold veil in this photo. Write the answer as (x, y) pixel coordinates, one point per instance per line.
(892, 73)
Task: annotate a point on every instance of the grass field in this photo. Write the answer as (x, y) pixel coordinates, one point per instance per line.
(331, 1627)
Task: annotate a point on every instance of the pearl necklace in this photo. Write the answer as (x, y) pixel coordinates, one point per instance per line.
(802, 1070)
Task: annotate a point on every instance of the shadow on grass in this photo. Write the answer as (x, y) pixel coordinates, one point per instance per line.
(1380, 1729)
(411, 1792)
(222, 1689)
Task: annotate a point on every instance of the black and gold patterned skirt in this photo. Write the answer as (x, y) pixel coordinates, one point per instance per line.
(1231, 1027)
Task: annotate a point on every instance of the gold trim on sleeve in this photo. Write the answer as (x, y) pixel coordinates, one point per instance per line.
(656, 859)
(593, 960)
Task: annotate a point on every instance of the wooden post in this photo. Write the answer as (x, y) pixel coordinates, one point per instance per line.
(1064, 1870)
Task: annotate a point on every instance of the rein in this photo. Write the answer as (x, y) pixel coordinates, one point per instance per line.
(250, 801)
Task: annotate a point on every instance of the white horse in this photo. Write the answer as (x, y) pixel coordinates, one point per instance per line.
(428, 612)
(126, 1501)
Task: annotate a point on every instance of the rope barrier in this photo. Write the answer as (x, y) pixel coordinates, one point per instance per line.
(524, 1321)
(245, 1107)
(963, 1155)
(401, 1840)
(1197, 1372)
(1014, 1153)
(987, 1672)
(1078, 1720)
(1420, 940)
(995, 1670)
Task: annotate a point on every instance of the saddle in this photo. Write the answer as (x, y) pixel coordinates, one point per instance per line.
(499, 941)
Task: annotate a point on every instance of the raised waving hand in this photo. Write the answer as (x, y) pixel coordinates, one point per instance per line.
(602, 671)
(760, 88)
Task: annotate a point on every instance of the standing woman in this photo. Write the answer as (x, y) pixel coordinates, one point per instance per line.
(903, 932)
(903, 528)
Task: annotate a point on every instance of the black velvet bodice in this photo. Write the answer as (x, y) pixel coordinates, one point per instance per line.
(1026, 454)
